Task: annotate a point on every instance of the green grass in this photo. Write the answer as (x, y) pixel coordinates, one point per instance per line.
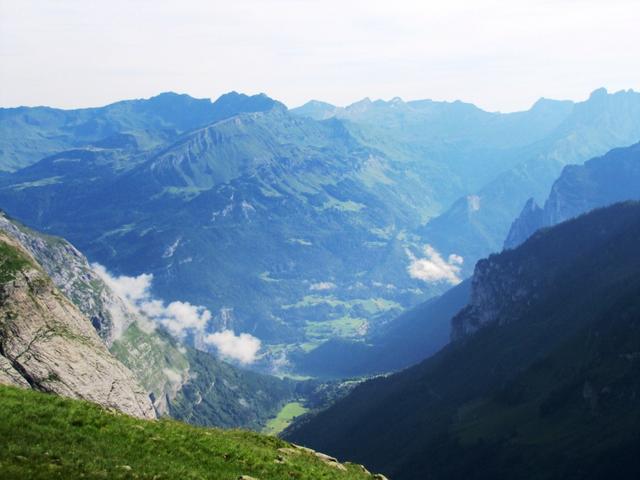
(12, 260)
(371, 305)
(343, 327)
(284, 418)
(44, 436)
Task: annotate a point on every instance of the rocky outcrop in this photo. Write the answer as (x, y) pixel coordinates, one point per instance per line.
(324, 458)
(602, 181)
(499, 290)
(530, 219)
(155, 360)
(10, 376)
(51, 345)
(71, 273)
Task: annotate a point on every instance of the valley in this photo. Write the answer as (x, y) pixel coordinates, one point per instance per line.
(332, 225)
(393, 296)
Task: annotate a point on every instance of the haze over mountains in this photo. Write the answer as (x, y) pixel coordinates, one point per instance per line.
(332, 220)
(357, 253)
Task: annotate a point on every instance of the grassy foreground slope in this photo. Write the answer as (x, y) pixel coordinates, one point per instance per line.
(44, 436)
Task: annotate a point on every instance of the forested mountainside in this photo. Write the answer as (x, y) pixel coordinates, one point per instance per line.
(540, 381)
(415, 335)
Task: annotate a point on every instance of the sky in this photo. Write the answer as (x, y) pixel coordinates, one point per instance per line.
(501, 55)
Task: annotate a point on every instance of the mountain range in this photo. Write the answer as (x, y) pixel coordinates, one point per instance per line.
(333, 220)
(378, 280)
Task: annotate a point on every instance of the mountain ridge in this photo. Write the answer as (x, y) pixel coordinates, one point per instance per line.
(466, 411)
(598, 182)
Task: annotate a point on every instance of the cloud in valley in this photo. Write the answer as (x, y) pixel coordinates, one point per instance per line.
(432, 268)
(243, 347)
(181, 319)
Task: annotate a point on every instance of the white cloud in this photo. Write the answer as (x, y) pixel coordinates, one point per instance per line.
(433, 268)
(322, 286)
(132, 289)
(179, 318)
(243, 347)
(455, 259)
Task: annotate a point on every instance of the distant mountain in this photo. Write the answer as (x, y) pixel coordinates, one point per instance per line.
(478, 222)
(540, 382)
(183, 382)
(29, 134)
(321, 223)
(455, 145)
(317, 110)
(601, 181)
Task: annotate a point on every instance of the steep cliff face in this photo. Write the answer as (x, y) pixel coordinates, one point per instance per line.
(155, 360)
(183, 383)
(602, 181)
(50, 344)
(498, 292)
(74, 277)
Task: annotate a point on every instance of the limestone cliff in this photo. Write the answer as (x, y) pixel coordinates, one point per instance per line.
(155, 361)
(47, 344)
(71, 273)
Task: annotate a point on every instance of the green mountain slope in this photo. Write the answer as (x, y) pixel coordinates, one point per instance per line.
(49, 437)
(541, 381)
(311, 223)
(29, 134)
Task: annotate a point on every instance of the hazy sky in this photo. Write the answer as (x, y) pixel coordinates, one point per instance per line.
(499, 54)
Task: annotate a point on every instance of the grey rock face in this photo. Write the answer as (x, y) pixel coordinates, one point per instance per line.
(496, 288)
(72, 274)
(601, 181)
(148, 355)
(9, 375)
(531, 219)
(53, 347)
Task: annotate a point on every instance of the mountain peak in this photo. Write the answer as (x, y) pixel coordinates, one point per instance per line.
(544, 103)
(233, 103)
(598, 93)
